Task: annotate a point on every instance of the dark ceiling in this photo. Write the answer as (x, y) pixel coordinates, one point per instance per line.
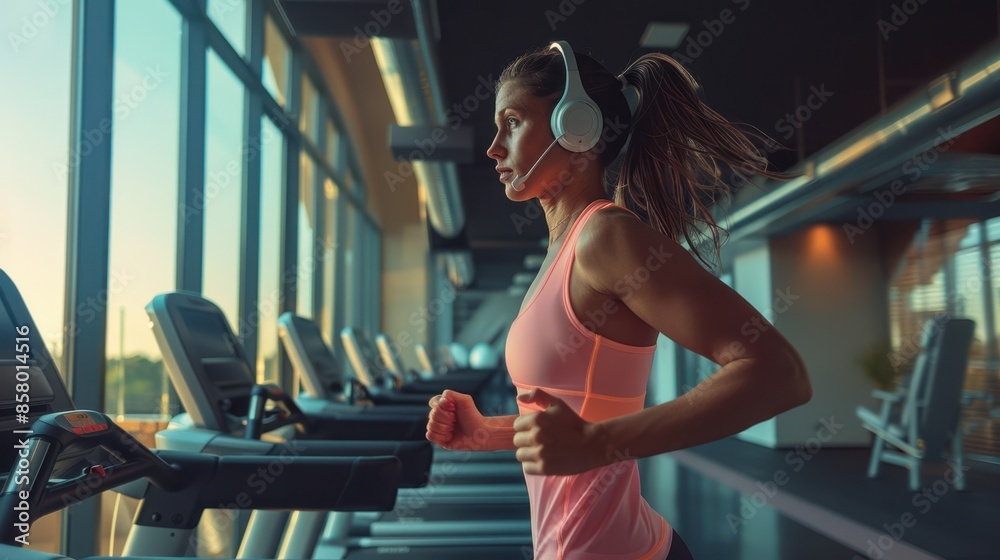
(756, 69)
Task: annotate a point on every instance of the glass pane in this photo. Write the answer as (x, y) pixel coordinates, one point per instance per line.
(331, 194)
(144, 172)
(34, 168)
(276, 61)
(993, 229)
(309, 109)
(34, 165)
(994, 337)
(230, 16)
(971, 237)
(142, 249)
(371, 256)
(307, 239)
(269, 294)
(350, 266)
(332, 144)
(223, 195)
(969, 296)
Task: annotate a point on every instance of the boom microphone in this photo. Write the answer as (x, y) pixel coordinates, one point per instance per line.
(518, 182)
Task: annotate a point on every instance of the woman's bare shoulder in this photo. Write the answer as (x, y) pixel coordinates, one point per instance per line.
(614, 241)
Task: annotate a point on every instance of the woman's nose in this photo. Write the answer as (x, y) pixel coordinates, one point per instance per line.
(496, 150)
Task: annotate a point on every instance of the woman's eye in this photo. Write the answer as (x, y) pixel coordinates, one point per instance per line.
(511, 121)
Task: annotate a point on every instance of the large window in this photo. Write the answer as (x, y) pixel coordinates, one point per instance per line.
(349, 247)
(332, 201)
(307, 237)
(309, 110)
(35, 165)
(223, 194)
(144, 169)
(272, 191)
(34, 175)
(277, 61)
(153, 243)
(230, 16)
(951, 267)
(143, 253)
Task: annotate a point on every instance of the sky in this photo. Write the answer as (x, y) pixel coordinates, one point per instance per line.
(34, 157)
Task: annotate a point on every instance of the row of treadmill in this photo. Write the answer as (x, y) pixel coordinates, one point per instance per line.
(344, 470)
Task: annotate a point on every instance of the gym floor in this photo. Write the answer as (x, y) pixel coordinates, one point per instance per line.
(715, 496)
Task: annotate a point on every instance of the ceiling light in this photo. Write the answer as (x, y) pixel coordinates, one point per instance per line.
(663, 35)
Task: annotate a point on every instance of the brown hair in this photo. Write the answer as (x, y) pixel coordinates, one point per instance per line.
(670, 172)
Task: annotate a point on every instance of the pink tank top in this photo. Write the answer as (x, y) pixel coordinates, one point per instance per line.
(598, 514)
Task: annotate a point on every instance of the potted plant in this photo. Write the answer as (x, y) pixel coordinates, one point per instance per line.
(876, 365)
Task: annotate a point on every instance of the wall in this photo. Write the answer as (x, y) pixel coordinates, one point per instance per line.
(841, 309)
(405, 288)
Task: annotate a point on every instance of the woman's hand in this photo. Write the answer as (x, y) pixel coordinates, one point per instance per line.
(456, 424)
(557, 441)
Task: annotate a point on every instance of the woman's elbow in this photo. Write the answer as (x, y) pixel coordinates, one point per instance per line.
(790, 381)
(798, 381)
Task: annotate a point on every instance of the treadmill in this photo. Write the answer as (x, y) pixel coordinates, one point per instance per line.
(365, 361)
(317, 369)
(210, 372)
(73, 454)
(325, 386)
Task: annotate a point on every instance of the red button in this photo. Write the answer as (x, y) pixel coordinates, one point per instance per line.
(77, 430)
(98, 470)
(100, 427)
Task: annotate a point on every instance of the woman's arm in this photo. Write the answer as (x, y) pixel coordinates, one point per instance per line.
(741, 394)
(499, 433)
(455, 423)
(657, 279)
(654, 277)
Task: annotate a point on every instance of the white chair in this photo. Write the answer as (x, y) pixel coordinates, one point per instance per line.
(921, 419)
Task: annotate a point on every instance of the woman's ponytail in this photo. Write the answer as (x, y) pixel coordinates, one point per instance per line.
(671, 170)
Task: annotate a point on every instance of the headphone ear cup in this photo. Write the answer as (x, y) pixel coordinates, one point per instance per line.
(577, 124)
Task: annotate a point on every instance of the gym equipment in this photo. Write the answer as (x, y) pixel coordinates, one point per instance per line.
(193, 332)
(389, 388)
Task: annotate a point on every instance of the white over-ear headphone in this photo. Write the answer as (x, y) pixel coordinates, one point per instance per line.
(576, 120)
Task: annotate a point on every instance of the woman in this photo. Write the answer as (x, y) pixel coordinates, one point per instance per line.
(615, 277)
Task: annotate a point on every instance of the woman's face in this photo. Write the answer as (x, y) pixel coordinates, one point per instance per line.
(523, 134)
